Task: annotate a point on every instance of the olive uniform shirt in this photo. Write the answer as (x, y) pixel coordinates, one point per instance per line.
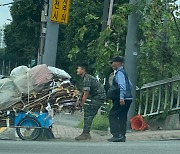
(95, 88)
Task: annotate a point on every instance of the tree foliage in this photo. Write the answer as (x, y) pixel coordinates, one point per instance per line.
(82, 40)
(22, 35)
(84, 26)
(159, 42)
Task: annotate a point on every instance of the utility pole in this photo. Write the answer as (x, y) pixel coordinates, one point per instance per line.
(51, 40)
(44, 15)
(131, 53)
(131, 45)
(110, 12)
(105, 14)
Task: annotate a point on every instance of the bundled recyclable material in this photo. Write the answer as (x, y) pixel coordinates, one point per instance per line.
(36, 89)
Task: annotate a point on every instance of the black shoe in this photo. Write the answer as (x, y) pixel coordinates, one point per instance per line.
(123, 140)
(111, 139)
(117, 139)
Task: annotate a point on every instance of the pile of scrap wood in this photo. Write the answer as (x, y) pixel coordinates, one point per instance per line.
(59, 97)
(37, 89)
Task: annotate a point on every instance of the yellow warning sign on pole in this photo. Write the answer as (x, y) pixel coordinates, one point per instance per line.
(60, 11)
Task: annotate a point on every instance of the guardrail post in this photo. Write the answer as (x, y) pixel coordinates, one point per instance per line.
(152, 105)
(159, 100)
(172, 95)
(147, 95)
(166, 96)
(139, 109)
(178, 95)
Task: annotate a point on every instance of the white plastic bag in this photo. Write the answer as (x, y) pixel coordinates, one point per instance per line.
(18, 71)
(21, 79)
(9, 94)
(27, 80)
(59, 72)
(40, 74)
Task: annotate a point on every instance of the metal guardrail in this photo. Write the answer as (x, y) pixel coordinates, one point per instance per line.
(160, 96)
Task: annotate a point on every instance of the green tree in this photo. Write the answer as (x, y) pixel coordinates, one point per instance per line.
(159, 43)
(87, 43)
(22, 35)
(83, 27)
(82, 40)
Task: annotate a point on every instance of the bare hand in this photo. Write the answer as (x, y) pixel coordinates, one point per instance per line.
(122, 103)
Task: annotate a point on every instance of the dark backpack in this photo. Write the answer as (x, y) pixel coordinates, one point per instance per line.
(114, 90)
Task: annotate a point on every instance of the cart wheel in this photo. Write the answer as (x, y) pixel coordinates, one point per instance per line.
(28, 129)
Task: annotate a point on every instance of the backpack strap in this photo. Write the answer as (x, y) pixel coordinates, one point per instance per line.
(125, 75)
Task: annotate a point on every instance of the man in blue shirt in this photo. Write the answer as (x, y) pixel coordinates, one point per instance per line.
(121, 103)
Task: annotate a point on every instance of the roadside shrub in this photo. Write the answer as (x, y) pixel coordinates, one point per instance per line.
(100, 122)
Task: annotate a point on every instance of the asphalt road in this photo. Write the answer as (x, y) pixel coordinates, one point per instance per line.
(57, 147)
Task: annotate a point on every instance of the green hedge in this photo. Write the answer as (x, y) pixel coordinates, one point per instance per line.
(100, 122)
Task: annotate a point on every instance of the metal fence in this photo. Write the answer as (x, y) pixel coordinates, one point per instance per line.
(6, 66)
(156, 97)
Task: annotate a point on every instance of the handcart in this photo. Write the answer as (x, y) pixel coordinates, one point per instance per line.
(28, 126)
(31, 97)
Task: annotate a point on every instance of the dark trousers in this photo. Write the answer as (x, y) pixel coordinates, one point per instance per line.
(90, 111)
(118, 118)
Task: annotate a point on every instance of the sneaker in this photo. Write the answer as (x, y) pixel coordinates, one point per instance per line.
(83, 136)
(117, 139)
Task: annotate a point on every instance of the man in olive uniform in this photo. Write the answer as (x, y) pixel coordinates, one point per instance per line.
(93, 90)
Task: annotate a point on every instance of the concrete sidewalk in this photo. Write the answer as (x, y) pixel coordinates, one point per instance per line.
(67, 133)
(153, 135)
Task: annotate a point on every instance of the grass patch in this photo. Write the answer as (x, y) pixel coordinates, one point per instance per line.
(100, 122)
